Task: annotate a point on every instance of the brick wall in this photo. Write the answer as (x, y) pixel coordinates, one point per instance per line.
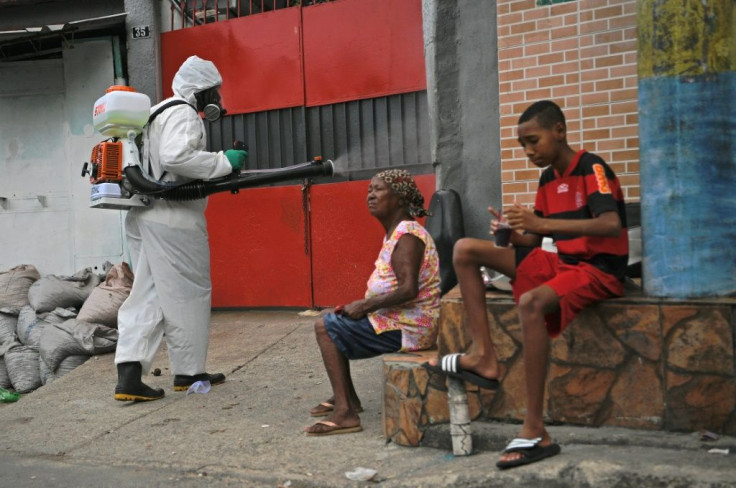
(582, 55)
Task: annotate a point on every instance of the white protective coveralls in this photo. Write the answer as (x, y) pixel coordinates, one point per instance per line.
(168, 240)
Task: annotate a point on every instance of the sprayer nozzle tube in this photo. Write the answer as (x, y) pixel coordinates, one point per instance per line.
(329, 167)
(200, 189)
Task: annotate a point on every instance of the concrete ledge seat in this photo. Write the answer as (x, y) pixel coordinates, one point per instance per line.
(414, 398)
(634, 362)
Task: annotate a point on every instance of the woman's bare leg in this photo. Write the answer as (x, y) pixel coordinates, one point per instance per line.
(338, 371)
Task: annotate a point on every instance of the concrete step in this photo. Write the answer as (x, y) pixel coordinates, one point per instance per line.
(606, 457)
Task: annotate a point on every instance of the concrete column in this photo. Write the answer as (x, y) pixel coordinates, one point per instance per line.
(460, 45)
(687, 129)
(144, 54)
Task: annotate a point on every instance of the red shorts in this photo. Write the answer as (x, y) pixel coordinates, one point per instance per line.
(577, 285)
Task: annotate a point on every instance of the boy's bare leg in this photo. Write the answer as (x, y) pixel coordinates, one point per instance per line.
(533, 306)
(468, 256)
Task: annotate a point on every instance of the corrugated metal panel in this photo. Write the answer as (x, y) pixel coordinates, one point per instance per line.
(359, 136)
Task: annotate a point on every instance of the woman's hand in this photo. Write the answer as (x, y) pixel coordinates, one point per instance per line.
(355, 310)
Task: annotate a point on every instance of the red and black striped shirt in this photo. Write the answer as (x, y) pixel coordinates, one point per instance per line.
(588, 188)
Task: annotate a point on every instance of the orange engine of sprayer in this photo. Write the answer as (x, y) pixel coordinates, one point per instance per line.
(115, 114)
(107, 163)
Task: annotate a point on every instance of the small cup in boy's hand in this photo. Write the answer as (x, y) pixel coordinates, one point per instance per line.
(502, 235)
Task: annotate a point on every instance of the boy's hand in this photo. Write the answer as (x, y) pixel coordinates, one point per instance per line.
(494, 222)
(521, 218)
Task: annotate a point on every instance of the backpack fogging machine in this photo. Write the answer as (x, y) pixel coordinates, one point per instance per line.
(115, 171)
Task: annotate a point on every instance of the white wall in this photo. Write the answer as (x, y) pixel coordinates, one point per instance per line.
(46, 134)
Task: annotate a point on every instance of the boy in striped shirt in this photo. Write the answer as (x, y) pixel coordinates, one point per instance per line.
(580, 205)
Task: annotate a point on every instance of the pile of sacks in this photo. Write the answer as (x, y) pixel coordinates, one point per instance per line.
(50, 325)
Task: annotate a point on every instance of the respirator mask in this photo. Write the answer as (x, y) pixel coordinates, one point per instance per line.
(209, 103)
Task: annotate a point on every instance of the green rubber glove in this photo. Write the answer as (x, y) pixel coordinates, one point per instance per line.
(236, 158)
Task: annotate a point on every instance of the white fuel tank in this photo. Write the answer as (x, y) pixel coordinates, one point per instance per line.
(121, 109)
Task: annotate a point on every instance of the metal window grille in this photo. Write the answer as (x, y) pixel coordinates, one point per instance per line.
(189, 13)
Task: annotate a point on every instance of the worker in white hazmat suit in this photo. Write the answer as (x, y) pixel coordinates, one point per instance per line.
(168, 242)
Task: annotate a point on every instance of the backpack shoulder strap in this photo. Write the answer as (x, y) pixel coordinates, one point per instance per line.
(158, 112)
(166, 106)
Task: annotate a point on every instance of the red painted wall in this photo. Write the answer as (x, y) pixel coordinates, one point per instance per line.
(257, 249)
(357, 49)
(352, 49)
(259, 58)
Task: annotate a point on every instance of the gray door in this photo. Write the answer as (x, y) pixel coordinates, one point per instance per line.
(45, 135)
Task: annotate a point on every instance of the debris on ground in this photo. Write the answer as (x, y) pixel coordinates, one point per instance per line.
(361, 474)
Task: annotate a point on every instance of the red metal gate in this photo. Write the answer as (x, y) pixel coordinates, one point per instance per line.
(269, 249)
(265, 253)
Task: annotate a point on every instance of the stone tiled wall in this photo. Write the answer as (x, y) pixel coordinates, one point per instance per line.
(631, 362)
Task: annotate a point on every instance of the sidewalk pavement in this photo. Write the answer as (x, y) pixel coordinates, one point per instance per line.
(248, 431)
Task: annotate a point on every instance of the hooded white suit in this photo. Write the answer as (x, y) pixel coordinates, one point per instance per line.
(168, 240)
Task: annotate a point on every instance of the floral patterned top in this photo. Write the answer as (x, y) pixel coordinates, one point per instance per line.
(417, 319)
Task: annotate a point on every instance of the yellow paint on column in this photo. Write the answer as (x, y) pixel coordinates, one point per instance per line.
(686, 37)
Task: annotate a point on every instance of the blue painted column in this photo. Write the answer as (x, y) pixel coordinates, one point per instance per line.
(687, 139)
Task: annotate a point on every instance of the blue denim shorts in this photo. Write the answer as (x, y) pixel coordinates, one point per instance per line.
(357, 339)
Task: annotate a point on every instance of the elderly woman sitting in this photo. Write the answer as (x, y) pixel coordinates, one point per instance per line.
(400, 308)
